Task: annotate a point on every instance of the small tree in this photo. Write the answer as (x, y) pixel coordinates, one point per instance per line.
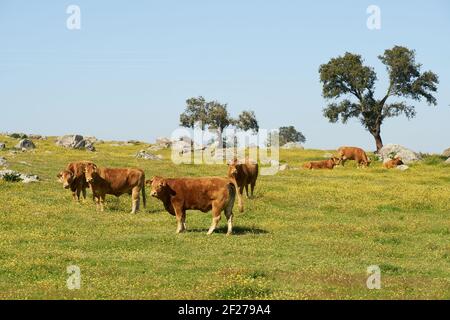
(218, 119)
(215, 115)
(347, 77)
(196, 112)
(247, 122)
(290, 134)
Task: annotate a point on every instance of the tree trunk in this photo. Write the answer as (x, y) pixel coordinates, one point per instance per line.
(378, 140)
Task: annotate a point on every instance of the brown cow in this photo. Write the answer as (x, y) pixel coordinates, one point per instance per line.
(245, 174)
(353, 153)
(324, 164)
(116, 181)
(73, 178)
(393, 163)
(204, 194)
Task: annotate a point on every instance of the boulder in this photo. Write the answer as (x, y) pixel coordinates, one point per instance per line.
(75, 142)
(148, 156)
(283, 167)
(447, 161)
(402, 167)
(14, 176)
(3, 162)
(446, 153)
(293, 145)
(270, 162)
(395, 150)
(25, 144)
(163, 142)
(2, 146)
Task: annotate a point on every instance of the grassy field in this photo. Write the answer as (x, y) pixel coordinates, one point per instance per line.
(307, 235)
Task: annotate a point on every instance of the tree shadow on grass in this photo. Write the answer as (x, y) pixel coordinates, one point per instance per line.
(236, 230)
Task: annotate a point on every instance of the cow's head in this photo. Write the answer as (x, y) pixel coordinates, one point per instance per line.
(398, 161)
(159, 187)
(335, 161)
(66, 177)
(90, 171)
(233, 167)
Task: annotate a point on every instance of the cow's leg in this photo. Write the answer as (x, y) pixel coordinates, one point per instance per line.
(78, 194)
(252, 186)
(179, 216)
(216, 211)
(246, 189)
(74, 195)
(229, 214)
(183, 220)
(97, 201)
(102, 202)
(83, 190)
(135, 196)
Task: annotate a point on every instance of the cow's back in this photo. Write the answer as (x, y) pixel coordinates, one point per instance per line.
(120, 180)
(199, 193)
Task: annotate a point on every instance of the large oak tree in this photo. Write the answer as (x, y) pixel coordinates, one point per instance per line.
(348, 78)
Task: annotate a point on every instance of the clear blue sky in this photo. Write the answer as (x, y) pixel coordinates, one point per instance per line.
(127, 73)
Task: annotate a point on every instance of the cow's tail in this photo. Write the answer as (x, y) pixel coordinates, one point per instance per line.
(232, 193)
(239, 196)
(144, 197)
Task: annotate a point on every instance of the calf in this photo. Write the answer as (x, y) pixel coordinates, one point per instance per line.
(116, 181)
(73, 178)
(324, 164)
(244, 174)
(353, 153)
(393, 163)
(204, 194)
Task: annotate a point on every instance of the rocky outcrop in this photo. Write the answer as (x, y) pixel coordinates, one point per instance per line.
(293, 145)
(75, 142)
(391, 151)
(25, 144)
(148, 156)
(14, 176)
(446, 153)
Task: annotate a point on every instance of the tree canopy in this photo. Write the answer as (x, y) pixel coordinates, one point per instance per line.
(348, 78)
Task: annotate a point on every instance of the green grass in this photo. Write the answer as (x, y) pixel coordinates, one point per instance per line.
(306, 235)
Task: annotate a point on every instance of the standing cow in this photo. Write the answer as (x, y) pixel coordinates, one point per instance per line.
(244, 174)
(353, 153)
(204, 194)
(73, 178)
(116, 181)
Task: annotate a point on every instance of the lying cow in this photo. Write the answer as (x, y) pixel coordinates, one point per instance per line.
(393, 163)
(245, 174)
(204, 194)
(353, 153)
(324, 164)
(73, 178)
(116, 181)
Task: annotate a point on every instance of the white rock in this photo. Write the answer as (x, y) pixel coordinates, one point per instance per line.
(446, 153)
(3, 162)
(75, 142)
(396, 150)
(402, 167)
(2, 145)
(284, 167)
(148, 156)
(25, 178)
(447, 161)
(25, 144)
(293, 145)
